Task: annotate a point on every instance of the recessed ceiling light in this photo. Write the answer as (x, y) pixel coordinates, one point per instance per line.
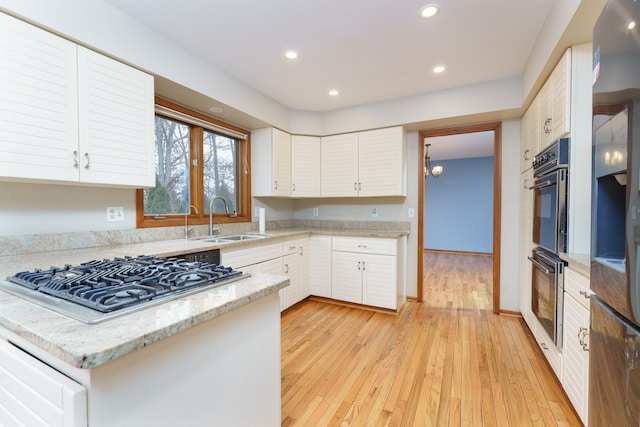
(631, 25)
(429, 11)
(291, 54)
(216, 109)
(333, 92)
(438, 69)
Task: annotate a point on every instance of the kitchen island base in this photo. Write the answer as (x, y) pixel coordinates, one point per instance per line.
(225, 371)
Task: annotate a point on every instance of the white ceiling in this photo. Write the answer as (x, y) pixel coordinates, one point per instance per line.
(369, 50)
(461, 146)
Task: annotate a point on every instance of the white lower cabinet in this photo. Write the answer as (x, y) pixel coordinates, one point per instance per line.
(321, 266)
(32, 393)
(575, 374)
(366, 271)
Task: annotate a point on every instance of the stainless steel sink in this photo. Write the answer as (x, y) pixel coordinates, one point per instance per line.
(237, 237)
(231, 238)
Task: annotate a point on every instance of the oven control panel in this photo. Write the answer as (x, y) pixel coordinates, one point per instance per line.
(554, 156)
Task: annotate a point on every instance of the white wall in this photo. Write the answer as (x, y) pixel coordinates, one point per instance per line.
(42, 208)
(510, 210)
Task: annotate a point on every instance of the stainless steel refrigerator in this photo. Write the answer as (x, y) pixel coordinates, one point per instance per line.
(614, 377)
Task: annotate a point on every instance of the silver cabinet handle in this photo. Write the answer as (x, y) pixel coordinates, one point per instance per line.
(526, 154)
(355, 186)
(359, 266)
(544, 346)
(585, 294)
(86, 155)
(364, 266)
(547, 125)
(301, 250)
(275, 185)
(583, 334)
(286, 269)
(75, 159)
(294, 187)
(526, 183)
(359, 186)
(362, 246)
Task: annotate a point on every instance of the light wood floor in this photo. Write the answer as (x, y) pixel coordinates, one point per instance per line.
(447, 361)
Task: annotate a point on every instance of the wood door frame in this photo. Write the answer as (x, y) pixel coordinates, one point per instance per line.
(496, 127)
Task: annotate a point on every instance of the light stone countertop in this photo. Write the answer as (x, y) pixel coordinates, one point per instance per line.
(86, 346)
(580, 263)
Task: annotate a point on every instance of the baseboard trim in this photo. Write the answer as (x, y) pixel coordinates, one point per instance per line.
(510, 313)
(442, 251)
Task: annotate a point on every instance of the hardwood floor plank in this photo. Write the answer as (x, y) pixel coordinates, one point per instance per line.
(448, 361)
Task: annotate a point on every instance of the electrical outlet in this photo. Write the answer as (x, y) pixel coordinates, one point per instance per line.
(256, 212)
(115, 213)
(374, 212)
(411, 213)
(316, 212)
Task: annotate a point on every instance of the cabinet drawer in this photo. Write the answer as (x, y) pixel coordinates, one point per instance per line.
(577, 285)
(242, 257)
(290, 247)
(365, 245)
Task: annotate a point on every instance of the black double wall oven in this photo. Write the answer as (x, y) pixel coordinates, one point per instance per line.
(550, 190)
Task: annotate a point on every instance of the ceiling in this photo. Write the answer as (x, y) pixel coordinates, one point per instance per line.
(368, 50)
(461, 146)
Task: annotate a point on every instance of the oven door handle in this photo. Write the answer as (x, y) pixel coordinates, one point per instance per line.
(541, 266)
(543, 184)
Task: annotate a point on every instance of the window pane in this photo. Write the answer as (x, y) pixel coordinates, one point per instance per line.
(171, 193)
(220, 170)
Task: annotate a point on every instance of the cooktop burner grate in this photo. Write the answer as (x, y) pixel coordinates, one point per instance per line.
(110, 285)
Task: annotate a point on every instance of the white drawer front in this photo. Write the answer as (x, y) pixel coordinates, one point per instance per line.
(290, 247)
(577, 285)
(366, 245)
(242, 257)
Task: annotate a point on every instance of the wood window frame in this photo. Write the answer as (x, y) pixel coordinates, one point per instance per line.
(197, 178)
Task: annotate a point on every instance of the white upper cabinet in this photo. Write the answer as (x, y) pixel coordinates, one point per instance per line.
(365, 164)
(305, 166)
(271, 162)
(555, 103)
(39, 103)
(71, 115)
(339, 165)
(381, 161)
(530, 132)
(116, 117)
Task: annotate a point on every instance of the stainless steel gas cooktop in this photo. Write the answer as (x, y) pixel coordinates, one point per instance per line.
(95, 291)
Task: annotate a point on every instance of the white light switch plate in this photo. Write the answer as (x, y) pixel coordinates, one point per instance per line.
(115, 213)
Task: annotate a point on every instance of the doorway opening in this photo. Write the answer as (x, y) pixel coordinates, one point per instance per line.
(495, 223)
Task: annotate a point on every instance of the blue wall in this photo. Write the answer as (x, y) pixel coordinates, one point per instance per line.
(459, 206)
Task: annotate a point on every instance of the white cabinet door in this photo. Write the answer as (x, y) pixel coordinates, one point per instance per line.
(32, 393)
(39, 103)
(526, 231)
(379, 280)
(576, 328)
(530, 135)
(116, 122)
(271, 162)
(575, 373)
(290, 268)
(560, 97)
(339, 165)
(321, 266)
(346, 276)
(305, 166)
(304, 268)
(381, 162)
